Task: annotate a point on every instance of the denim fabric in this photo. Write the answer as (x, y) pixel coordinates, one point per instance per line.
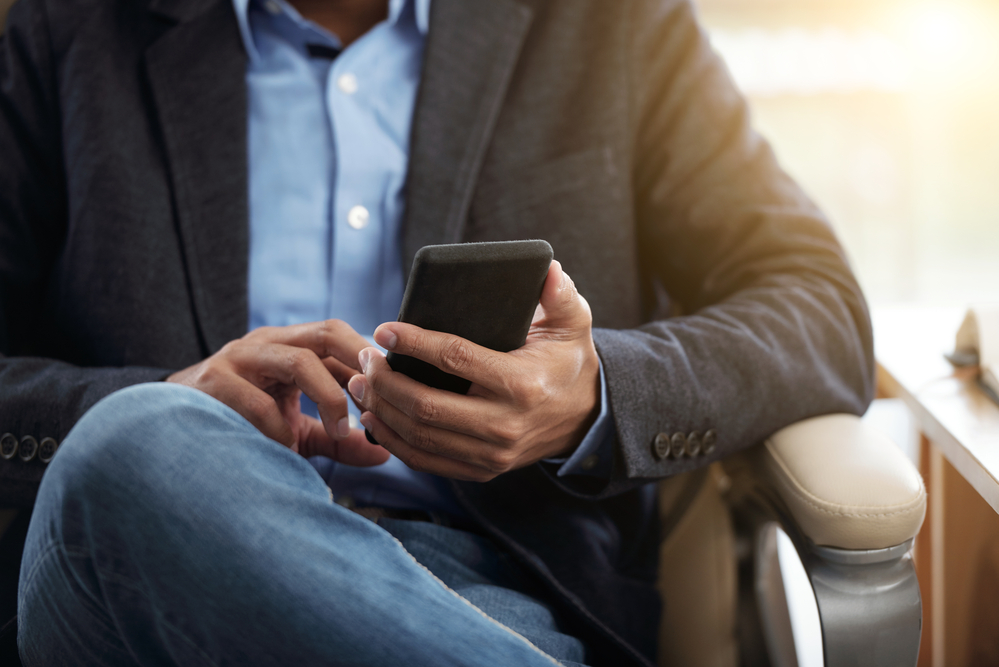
(169, 531)
(492, 580)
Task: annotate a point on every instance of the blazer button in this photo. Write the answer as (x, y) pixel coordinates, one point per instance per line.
(694, 444)
(678, 444)
(8, 446)
(28, 448)
(709, 442)
(47, 449)
(660, 446)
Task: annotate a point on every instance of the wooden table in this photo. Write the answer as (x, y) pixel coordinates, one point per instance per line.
(957, 551)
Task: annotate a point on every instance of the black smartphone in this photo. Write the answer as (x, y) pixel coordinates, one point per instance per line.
(484, 292)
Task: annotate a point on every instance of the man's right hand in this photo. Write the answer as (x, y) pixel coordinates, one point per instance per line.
(263, 374)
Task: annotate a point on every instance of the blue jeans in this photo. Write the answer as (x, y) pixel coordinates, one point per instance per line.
(169, 531)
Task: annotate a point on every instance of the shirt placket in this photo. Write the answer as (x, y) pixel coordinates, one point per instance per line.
(356, 210)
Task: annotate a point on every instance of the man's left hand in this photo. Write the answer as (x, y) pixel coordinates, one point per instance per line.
(532, 403)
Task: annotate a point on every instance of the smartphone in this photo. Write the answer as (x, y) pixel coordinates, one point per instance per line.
(484, 292)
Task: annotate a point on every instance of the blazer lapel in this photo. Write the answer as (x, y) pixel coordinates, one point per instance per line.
(196, 72)
(471, 52)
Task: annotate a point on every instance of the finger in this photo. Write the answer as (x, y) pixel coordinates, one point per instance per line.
(288, 398)
(433, 439)
(470, 415)
(340, 371)
(302, 368)
(328, 338)
(562, 308)
(423, 461)
(354, 450)
(497, 456)
(452, 354)
(256, 406)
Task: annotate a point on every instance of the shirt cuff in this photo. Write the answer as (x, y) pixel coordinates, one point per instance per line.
(595, 455)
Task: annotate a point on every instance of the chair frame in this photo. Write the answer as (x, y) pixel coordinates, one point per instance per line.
(869, 602)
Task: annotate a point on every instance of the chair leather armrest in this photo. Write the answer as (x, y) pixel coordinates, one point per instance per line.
(845, 484)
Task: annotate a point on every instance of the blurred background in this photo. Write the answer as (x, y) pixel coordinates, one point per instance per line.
(887, 113)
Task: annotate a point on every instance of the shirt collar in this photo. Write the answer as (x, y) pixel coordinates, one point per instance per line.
(242, 8)
(421, 15)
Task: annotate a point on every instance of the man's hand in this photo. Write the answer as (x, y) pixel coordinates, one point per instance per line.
(263, 374)
(523, 406)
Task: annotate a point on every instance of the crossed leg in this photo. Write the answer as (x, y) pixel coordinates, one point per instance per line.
(169, 531)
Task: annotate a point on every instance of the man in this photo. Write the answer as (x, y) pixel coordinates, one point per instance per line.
(176, 169)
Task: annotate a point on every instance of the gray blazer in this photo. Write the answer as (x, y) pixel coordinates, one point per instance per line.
(721, 298)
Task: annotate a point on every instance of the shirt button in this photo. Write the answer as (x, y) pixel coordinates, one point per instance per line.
(352, 420)
(347, 83)
(358, 217)
(589, 463)
(273, 7)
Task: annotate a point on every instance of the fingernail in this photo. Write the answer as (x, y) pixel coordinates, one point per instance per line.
(386, 338)
(363, 357)
(343, 427)
(356, 387)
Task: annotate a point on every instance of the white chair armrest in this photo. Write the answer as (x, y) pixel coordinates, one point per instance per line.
(846, 485)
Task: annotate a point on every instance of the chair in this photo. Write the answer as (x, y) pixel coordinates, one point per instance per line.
(850, 501)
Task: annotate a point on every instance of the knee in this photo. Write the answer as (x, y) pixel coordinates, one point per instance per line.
(136, 437)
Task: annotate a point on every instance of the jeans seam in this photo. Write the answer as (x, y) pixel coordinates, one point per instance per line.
(183, 637)
(72, 552)
(481, 613)
(39, 561)
(30, 577)
(115, 578)
(68, 553)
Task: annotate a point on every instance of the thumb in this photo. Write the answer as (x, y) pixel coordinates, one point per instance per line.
(562, 307)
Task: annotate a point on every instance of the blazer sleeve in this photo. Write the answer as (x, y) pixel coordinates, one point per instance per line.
(774, 327)
(39, 397)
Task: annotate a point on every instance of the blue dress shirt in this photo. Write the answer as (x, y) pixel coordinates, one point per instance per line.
(328, 145)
